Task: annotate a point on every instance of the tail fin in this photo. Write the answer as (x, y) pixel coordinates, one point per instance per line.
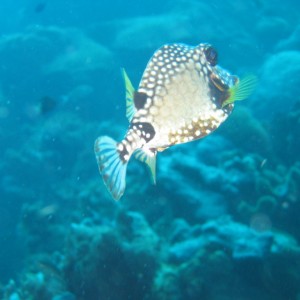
(111, 167)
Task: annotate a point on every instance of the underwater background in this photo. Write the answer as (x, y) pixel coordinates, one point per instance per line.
(223, 220)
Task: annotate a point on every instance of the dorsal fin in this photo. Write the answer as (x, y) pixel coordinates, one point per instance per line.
(130, 108)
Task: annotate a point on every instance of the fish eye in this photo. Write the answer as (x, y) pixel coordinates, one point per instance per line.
(211, 55)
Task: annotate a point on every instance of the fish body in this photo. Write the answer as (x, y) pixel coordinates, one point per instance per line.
(183, 95)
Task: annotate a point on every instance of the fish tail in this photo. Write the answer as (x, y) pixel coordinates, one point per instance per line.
(112, 165)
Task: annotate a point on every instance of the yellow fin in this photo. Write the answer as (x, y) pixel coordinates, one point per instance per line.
(149, 158)
(241, 90)
(130, 108)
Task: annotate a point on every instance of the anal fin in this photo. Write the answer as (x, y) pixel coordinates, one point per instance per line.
(148, 157)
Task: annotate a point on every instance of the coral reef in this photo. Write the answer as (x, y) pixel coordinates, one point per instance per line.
(285, 135)
(230, 257)
(129, 259)
(117, 262)
(278, 80)
(223, 220)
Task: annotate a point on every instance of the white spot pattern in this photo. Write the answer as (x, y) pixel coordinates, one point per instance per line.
(179, 105)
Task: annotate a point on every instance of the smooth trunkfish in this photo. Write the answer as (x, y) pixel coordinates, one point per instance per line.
(183, 96)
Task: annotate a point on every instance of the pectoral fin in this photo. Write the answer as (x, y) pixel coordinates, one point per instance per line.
(241, 90)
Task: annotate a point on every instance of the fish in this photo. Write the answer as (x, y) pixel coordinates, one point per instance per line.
(183, 95)
(47, 104)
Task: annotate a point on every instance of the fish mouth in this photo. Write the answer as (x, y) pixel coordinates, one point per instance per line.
(222, 79)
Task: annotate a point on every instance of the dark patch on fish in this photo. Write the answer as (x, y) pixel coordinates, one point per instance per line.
(139, 99)
(144, 130)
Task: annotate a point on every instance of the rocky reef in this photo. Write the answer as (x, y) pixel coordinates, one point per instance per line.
(130, 258)
(221, 223)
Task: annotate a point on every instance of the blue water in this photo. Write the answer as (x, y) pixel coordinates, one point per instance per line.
(221, 223)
